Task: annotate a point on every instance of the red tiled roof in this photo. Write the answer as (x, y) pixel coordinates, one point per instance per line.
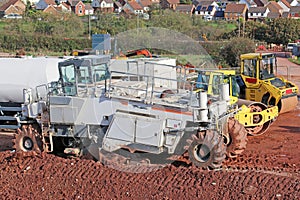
(173, 1)
(257, 9)
(184, 8)
(235, 8)
(274, 6)
(261, 2)
(127, 11)
(135, 5)
(88, 6)
(50, 2)
(146, 3)
(287, 4)
(6, 5)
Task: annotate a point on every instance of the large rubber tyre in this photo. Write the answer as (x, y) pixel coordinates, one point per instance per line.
(207, 150)
(28, 139)
(238, 138)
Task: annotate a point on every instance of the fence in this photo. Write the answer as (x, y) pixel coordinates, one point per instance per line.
(291, 73)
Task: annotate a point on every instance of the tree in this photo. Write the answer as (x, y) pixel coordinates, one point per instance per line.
(234, 48)
(282, 30)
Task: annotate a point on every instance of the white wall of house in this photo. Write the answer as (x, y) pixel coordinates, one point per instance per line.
(283, 6)
(103, 4)
(138, 12)
(258, 15)
(295, 3)
(89, 12)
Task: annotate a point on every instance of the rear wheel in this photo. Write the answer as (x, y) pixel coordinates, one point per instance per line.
(206, 150)
(28, 139)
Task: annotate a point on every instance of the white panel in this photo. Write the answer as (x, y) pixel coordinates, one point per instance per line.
(122, 128)
(148, 131)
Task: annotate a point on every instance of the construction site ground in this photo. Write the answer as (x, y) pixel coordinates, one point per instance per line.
(268, 169)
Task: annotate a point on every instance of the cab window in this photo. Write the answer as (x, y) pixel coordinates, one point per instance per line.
(100, 73)
(249, 68)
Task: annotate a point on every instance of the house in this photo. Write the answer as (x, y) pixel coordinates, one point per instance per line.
(274, 7)
(293, 2)
(43, 4)
(184, 8)
(294, 12)
(77, 7)
(260, 13)
(169, 4)
(273, 15)
(261, 3)
(12, 7)
(134, 7)
(222, 5)
(64, 7)
(118, 7)
(206, 11)
(219, 15)
(285, 14)
(249, 3)
(105, 6)
(235, 11)
(89, 10)
(122, 2)
(285, 5)
(146, 4)
(51, 9)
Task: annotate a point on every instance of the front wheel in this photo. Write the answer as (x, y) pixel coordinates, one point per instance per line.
(207, 150)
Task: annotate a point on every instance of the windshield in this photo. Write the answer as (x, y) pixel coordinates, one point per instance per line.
(100, 73)
(249, 67)
(267, 68)
(68, 79)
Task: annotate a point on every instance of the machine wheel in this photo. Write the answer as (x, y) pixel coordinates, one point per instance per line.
(238, 138)
(28, 139)
(206, 150)
(258, 130)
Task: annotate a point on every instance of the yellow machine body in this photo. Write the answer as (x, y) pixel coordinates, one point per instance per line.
(260, 84)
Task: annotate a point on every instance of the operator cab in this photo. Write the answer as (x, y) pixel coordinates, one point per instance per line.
(258, 66)
(79, 75)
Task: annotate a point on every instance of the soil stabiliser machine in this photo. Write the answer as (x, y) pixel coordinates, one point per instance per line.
(258, 82)
(145, 115)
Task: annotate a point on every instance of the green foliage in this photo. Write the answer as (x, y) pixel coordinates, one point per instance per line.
(283, 30)
(43, 32)
(234, 48)
(277, 31)
(42, 43)
(54, 27)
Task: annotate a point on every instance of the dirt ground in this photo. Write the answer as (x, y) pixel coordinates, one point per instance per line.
(268, 169)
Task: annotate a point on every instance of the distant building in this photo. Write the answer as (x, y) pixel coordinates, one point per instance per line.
(12, 7)
(235, 11)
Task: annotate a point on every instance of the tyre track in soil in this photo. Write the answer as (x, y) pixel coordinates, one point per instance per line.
(268, 169)
(85, 179)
